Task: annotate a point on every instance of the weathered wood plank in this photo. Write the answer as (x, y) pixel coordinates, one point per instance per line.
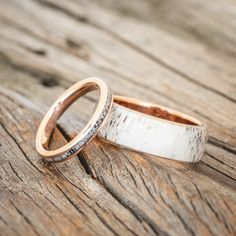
(81, 67)
(33, 90)
(52, 199)
(186, 85)
(47, 46)
(159, 193)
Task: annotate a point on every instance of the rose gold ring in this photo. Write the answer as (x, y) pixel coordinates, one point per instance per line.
(59, 107)
(154, 129)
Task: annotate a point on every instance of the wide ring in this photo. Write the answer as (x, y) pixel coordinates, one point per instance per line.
(153, 129)
(58, 108)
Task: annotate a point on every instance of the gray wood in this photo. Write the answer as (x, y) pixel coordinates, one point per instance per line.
(46, 46)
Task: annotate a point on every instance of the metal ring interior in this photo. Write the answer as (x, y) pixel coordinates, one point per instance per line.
(59, 107)
(156, 111)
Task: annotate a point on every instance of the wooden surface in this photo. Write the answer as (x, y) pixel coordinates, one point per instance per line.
(180, 54)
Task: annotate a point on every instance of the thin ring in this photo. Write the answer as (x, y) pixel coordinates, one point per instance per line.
(59, 107)
(154, 129)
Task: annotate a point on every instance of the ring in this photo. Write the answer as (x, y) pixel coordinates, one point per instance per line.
(154, 129)
(88, 132)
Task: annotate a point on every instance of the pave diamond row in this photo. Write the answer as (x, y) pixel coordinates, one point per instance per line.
(77, 147)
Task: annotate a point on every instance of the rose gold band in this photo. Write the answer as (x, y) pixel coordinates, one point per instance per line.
(58, 108)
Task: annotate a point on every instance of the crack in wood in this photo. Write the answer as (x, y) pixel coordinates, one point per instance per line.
(81, 155)
(128, 199)
(139, 215)
(25, 218)
(21, 149)
(220, 144)
(15, 172)
(76, 206)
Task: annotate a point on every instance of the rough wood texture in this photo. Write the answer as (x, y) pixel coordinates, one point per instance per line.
(179, 54)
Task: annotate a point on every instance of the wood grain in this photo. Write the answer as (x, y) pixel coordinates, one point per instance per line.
(46, 46)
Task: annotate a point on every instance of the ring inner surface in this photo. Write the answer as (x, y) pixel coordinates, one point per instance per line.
(61, 107)
(158, 112)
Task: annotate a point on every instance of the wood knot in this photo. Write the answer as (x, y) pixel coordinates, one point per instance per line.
(77, 48)
(49, 82)
(38, 51)
(83, 19)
